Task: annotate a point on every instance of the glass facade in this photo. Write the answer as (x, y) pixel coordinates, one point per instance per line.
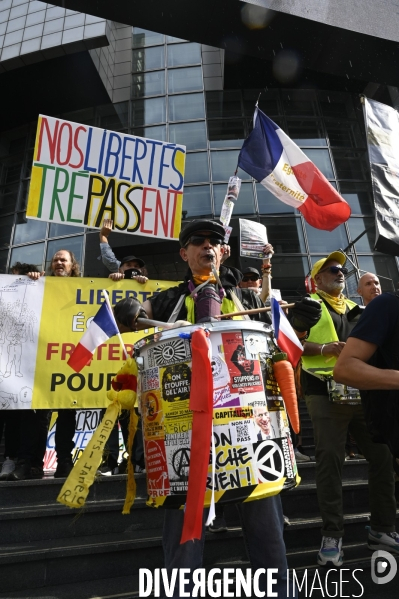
(168, 102)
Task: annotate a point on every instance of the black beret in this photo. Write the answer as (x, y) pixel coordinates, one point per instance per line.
(195, 226)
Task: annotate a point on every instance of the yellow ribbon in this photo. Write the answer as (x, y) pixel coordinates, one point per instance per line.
(76, 488)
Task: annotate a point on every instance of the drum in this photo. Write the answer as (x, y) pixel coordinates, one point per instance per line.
(254, 456)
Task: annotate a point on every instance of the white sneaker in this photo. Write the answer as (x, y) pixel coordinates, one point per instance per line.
(7, 468)
(388, 541)
(301, 457)
(330, 553)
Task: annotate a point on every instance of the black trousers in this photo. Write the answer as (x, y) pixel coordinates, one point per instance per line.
(64, 434)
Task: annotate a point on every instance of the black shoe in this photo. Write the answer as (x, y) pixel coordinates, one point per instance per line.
(218, 525)
(23, 471)
(63, 469)
(36, 472)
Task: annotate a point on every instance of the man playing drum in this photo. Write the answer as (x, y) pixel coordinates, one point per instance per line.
(332, 414)
(262, 520)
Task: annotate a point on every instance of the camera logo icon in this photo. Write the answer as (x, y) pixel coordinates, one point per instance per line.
(383, 567)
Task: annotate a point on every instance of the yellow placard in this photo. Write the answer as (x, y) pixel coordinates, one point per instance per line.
(68, 307)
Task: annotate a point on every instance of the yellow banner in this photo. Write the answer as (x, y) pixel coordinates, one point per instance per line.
(68, 306)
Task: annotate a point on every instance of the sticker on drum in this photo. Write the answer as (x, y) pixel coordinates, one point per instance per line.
(169, 352)
(254, 457)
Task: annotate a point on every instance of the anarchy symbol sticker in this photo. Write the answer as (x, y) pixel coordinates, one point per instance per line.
(269, 461)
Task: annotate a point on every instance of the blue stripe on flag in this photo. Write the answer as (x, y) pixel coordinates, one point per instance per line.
(105, 321)
(262, 149)
(275, 316)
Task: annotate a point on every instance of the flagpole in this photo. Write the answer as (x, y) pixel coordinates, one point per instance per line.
(113, 317)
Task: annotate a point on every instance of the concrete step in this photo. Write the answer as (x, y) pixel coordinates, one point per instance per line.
(303, 499)
(70, 561)
(45, 491)
(352, 470)
(40, 523)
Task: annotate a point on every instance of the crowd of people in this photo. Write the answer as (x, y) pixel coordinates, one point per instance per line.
(341, 354)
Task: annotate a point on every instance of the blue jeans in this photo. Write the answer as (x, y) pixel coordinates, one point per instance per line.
(262, 526)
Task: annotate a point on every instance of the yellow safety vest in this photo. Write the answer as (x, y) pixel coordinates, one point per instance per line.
(322, 332)
(226, 308)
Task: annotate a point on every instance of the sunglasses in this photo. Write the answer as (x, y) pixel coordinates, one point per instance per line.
(335, 270)
(199, 240)
(249, 278)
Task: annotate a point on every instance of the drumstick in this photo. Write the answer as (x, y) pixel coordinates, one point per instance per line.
(149, 323)
(254, 311)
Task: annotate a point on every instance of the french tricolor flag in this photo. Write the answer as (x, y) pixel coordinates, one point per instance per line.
(101, 328)
(273, 159)
(285, 334)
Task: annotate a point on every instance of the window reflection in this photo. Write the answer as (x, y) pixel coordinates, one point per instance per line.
(182, 54)
(285, 234)
(148, 59)
(224, 165)
(358, 226)
(223, 104)
(351, 165)
(143, 37)
(359, 196)
(8, 197)
(192, 135)
(30, 230)
(6, 224)
(145, 112)
(149, 84)
(184, 80)
(268, 203)
(226, 133)
(244, 204)
(197, 170)
(183, 108)
(289, 274)
(3, 261)
(30, 254)
(197, 201)
(322, 160)
(158, 132)
(306, 133)
(57, 230)
(326, 241)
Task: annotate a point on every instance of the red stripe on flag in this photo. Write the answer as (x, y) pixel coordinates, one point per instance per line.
(80, 358)
(293, 352)
(324, 208)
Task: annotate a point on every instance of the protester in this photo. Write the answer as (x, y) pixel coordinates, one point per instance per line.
(129, 267)
(63, 264)
(370, 361)
(251, 279)
(262, 519)
(369, 287)
(332, 416)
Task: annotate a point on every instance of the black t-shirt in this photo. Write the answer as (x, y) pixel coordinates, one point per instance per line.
(311, 385)
(379, 324)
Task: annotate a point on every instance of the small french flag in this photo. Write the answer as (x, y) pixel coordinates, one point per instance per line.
(285, 334)
(102, 327)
